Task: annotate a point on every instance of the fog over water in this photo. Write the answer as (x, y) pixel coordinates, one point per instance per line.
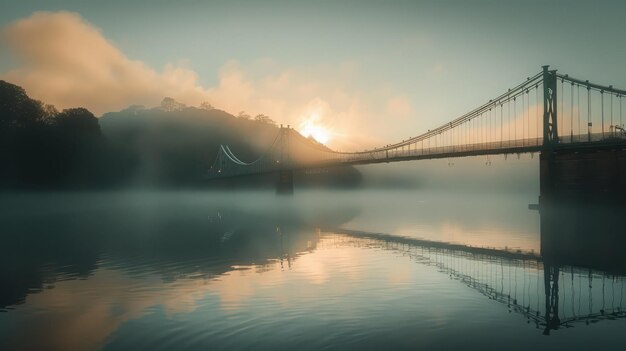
(140, 269)
(252, 175)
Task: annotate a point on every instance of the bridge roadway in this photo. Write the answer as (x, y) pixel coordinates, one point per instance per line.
(521, 146)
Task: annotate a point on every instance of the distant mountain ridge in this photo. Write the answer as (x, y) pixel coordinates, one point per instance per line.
(172, 145)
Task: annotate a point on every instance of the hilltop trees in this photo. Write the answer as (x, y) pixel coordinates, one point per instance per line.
(17, 110)
(264, 119)
(41, 146)
(172, 145)
(258, 118)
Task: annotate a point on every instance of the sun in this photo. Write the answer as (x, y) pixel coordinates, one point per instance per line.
(310, 128)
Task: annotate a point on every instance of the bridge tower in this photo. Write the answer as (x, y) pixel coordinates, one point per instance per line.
(551, 287)
(547, 173)
(285, 173)
(550, 127)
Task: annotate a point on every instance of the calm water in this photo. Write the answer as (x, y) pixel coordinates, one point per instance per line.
(248, 270)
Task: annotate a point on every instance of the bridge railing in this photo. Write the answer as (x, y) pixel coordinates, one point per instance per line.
(484, 148)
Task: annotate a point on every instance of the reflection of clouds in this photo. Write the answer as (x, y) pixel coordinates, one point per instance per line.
(333, 282)
(332, 271)
(79, 314)
(475, 220)
(400, 276)
(493, 235)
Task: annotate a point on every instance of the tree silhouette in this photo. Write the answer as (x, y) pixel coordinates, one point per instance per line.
(264, 119)
(77, 121)
(17, 110)
(243, 115)
(169, 104)
(205, 105)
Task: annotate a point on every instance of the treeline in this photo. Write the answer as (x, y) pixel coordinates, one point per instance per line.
(41, 147)
(172, 145)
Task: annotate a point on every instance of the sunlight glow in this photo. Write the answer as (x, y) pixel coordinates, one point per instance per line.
(310, 128)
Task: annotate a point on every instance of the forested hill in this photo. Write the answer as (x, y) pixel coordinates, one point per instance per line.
(167, 146)
(41, 147)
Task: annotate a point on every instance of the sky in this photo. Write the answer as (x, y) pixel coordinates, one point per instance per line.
(365, 72)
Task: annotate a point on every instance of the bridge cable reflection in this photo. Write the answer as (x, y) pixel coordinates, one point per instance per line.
(485, 271)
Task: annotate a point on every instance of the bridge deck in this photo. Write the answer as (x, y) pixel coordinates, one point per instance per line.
(520, 146)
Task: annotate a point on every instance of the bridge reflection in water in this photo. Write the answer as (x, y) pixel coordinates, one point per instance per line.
(118, 264)
(578, 278)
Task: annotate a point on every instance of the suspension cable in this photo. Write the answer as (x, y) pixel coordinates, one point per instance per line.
(611, 129)
(528, 115)
(578, 110)
(602, 111)
(508, 105)
(589, 113)
(515, 119)
(561, 112)
(571, 112)
(523, 117)
(537, 110)
(502, 126)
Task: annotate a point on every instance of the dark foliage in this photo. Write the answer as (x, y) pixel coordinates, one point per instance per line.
(169, 146)
(44, 148)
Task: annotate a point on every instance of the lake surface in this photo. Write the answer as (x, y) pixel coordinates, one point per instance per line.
(363, 269)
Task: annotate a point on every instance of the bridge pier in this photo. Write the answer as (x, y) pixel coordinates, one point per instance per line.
(582, 205)
(284, 186)
(595, 175)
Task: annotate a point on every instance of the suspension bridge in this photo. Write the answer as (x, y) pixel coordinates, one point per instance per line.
(547, 112)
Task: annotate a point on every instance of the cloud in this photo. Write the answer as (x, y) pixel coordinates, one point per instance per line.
(66, 61)
(399, 106)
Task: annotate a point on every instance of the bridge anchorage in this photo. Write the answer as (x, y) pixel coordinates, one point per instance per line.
(554, 114)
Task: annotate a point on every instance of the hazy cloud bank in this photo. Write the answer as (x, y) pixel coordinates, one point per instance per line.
(66, 61)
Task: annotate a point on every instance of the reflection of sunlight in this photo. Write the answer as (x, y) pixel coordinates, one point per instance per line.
(91, 315)
(311, 128)
(491, 235)
(113, 298)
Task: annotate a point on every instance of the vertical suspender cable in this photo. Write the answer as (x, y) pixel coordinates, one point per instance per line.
(523, 116)
(537, 110)
(509, 126)
(515, 119)
(489, 128)
(620, 111)
(571, 112)
(561, 111)
(588, 113)
(501, 125)
(602, 110)
(578, 109)
(527, 112)
(611, 125)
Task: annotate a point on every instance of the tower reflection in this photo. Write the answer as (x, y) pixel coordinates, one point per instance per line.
(578, 277)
